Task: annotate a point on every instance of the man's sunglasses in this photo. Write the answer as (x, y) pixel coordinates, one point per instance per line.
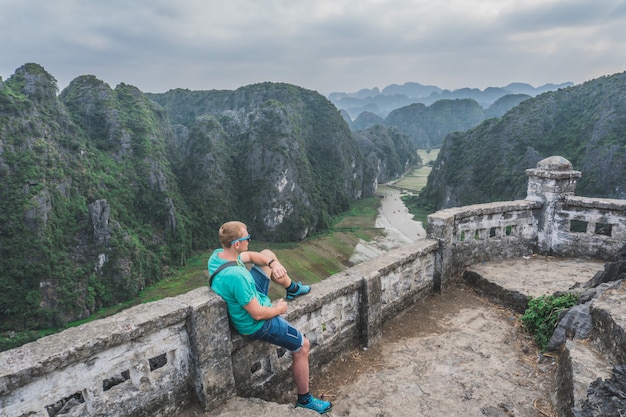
(241, 239)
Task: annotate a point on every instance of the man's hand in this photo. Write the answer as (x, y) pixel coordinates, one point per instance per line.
(259, 312)
(278, 270)
(281, 305)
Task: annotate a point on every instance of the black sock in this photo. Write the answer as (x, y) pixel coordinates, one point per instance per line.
(304, 398)
(293, 287)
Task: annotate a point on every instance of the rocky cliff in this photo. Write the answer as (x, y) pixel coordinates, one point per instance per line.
(103, 190)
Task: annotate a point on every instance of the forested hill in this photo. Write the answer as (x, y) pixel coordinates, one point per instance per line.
(585, 124)
(103, 190)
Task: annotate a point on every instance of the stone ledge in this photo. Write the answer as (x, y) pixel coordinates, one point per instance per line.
(43, 356)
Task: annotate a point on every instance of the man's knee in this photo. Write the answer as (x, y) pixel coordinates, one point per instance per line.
(304, 349)
(268, 253)
(306, 345)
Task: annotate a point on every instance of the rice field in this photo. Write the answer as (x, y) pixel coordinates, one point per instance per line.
(416, 179)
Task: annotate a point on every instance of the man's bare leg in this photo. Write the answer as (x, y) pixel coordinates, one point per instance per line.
(300, 367)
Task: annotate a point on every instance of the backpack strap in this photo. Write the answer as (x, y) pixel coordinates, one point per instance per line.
(222, 266)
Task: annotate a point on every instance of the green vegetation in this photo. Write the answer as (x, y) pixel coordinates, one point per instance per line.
(415, 180)
(428, 125)
(104, 193)
(412, 183)
(309, 261)
(542, 314)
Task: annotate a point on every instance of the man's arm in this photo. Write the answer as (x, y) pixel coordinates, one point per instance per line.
(257, 258)
(259, 312)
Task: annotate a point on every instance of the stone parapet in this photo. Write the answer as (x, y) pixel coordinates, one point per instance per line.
(136, 358)
(482, 232)
(156, 358)
(589, 227)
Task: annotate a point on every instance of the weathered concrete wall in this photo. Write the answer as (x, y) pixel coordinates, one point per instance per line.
(139, 358)
(589, 227)
(551, 220)
(342, 312)
(482, 232)
(153, 359)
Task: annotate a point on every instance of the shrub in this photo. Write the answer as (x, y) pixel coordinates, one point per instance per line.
(542, 314)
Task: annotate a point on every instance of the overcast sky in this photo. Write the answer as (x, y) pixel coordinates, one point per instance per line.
(323, 45)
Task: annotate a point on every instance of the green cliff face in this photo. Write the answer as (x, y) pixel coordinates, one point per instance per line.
(103, 190)
(585, 124)
(90, 208)
(285, 157)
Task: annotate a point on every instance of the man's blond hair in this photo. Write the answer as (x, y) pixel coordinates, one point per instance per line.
(230, 231)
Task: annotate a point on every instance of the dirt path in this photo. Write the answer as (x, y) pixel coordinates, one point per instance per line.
(400, 228)
(453, 354)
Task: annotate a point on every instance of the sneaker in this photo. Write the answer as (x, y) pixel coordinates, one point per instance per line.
(316, 404)
(302, 289)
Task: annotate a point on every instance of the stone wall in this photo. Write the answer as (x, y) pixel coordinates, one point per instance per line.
(589, 227)
(479, 233)
(551, 221)
(154, 359)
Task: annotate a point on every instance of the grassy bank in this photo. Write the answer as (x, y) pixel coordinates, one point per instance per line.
(414, 180)
(309, 261)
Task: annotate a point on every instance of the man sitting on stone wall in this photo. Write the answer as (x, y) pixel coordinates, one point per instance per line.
(250, 309)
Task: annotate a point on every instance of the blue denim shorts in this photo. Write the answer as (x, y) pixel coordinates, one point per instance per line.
(279, 332)
(261, 281)
(276, 330)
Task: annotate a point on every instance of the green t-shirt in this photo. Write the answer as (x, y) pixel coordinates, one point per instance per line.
(236, 287)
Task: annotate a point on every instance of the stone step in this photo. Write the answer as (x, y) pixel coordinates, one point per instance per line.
(580, 363)
(608, 314)
(237, 407)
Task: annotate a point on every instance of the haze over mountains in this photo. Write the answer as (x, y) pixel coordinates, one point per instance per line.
(394, 96)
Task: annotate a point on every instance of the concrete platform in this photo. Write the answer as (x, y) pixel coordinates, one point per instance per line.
(538, 275)
(511, 282)
(459, 353)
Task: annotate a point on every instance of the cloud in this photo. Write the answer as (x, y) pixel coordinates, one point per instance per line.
(327, 45)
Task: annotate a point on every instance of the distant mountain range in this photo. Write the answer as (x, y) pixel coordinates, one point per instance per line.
(395, 96)
(585, 124)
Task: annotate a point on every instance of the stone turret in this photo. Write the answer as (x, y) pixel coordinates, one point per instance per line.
(553, 178)
(550, 183)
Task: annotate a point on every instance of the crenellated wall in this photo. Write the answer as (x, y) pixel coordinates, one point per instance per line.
(551, 220)
(154, 359)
